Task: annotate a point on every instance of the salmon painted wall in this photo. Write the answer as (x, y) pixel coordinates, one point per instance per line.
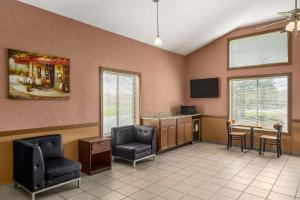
(24, 27)
(211, 61)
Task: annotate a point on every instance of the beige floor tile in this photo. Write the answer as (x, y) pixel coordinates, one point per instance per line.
(192, 181)
(172, 195)
(49, 195)
(277, 196)
(262, 185)
(287, 184)
(114, 174)
(127, 190)
(265, 179)
(99, 191)
(153, 178)
(257, 191)
(246, 196)
(217, 181)
(184, 188)
(189, 197)
(103, 180)
(167, 182)
(210, 187)
(236, 186)
(88, 185)
(284, 190)
(201, 177)
(185, 172)
(200, 193)
(113, 196)
(227, 192)
(158, 198)
(142, 195)
(219, 197)
(68, 191)
(141, 184)
(115, 184)
(156, 189)
(242, 180)
(193, 172)
(84, 196)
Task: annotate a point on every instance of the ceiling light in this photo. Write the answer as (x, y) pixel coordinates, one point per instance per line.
(157, 40)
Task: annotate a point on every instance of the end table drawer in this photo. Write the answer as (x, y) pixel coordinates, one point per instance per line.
(101, 146)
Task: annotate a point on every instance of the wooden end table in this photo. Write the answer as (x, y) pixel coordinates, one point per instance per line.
(95, 154)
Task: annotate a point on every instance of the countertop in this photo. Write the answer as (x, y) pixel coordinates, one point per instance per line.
(161, 116)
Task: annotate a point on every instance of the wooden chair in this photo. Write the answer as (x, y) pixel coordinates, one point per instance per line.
(235, 135)
(272, 140)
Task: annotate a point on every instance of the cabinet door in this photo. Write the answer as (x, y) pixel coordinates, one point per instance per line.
(180, 134)
(171, 136)
(188, 131)
(163, 138)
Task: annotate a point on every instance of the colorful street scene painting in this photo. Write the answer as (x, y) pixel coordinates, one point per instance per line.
(37, 76)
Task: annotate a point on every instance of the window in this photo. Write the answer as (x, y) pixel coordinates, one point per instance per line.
(258, 50)
(260, 102)
(120, 99)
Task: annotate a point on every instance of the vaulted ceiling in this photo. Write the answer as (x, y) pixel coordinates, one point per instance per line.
(185, 25)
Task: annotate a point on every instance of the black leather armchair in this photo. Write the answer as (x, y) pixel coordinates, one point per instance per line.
(39, 164)
(134, 142)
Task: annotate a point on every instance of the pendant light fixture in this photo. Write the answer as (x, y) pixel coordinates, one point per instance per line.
(157, 40)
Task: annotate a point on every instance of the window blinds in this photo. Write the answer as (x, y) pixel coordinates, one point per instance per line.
(263, 49)
(120, 100)
(259, 102)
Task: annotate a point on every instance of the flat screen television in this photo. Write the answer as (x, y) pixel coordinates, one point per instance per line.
(204, 88)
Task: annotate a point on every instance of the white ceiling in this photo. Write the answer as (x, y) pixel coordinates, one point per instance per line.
(185, 25)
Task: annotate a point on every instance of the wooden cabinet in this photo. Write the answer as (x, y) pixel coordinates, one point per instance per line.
(167, 134)
(171, 136)
(184, 130)
(95, 154)
(180, 134)
(163, 138)
(171, 132)
(188, 131)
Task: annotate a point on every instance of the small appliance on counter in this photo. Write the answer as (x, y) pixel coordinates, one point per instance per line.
(188, 110)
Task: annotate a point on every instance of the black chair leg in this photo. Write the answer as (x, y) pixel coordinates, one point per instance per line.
(280, 149)
(260, 141)
(228, 142)
(277, 150)
(242, 143)
(245, 144)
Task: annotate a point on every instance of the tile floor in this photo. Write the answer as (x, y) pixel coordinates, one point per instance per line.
(193, 172)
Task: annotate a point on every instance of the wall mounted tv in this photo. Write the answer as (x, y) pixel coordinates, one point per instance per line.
(204, 88)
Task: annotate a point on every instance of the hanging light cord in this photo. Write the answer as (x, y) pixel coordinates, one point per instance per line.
(157, 26)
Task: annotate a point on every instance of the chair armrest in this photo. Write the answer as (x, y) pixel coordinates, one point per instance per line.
(154, 139)
(29, 168)
(146, 135)
(122, 135)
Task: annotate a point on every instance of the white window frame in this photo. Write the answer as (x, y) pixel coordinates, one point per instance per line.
(289, 105)
(137, 99)
(289, 38)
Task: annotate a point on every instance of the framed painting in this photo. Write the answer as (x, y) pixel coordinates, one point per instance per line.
(38, 76)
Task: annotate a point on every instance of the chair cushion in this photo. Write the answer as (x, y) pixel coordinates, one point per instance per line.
(50, 145)
(238, 133)
(269, 137)
(57, 167)
(133, 148)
